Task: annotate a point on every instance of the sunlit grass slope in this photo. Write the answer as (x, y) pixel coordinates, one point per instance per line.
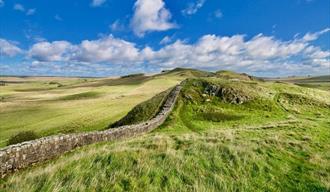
(276, 140)
(50, 105)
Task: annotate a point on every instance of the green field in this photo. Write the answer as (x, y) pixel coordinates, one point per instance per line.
(319, 82)
(51, 105)
(251, 136)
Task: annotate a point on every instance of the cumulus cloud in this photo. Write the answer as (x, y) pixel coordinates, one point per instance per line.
(192, 8)
(51, 51)
(260, 54)
(19, 7)
(151, 15)
(267, 47)
(107, 49)
(314, 36)
(97, 3)
(8, 48)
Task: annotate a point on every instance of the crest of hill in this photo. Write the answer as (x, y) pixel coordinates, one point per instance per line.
(323, 78)
(222, 88)
(187, 72)
(139, 78)
(239, 76)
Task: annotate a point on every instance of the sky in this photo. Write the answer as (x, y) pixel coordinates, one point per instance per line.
(116, 37)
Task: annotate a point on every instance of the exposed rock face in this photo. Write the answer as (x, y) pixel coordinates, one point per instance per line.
(228, 95)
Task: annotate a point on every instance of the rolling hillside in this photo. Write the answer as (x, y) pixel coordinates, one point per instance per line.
(52, 105)
(228, 132)
(319, 82)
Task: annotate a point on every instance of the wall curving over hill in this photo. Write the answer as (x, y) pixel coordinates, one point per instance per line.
(24, 154)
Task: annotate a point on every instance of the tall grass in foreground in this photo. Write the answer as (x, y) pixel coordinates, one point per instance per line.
(281, 159)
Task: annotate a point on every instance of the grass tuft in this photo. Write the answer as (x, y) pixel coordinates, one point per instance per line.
(78, 96)
(22, 136)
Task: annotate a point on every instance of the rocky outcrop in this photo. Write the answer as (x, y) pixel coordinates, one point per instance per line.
(24, 154)
(227, 94)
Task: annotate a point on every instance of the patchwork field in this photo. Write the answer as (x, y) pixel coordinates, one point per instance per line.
(228, 132)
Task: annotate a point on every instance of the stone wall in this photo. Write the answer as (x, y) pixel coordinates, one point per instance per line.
(24, 154)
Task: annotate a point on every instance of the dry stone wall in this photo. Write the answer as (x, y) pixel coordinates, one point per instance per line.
(21, 155)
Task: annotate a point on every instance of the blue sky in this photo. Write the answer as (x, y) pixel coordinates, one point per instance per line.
(108, 37)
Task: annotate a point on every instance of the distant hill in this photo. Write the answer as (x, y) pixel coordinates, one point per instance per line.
(187, 72)
(320, 82)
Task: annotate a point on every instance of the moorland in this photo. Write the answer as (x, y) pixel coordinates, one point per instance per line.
(227, 132)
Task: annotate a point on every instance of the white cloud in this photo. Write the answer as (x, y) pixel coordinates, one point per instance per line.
(151, 15)
(19, 7)
(260, 54)
(107, 49)
(51, 51)
(314, 36)
(2, 3)
(97, 3)
(218, 13)
(30, 11)
(267, 47)
(192, 8)
(165, 40)
(117, 26)
(8, 48)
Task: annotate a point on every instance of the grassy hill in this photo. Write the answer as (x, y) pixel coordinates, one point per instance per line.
(52, 105)
(225, 134)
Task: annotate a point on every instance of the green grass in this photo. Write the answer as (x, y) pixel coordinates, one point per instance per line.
(143, 111)
(318, 82)
(38, 104)
(84, 95)
(22, 136)
(277, 141)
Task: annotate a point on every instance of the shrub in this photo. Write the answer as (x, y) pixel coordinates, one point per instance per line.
(133, 75)
(22, 136)
(55, 83)
(84, 95)
(143, 111)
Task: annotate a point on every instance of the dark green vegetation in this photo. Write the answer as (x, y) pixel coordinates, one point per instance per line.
(22, 136)
(143, 111)
(84, 95)
(133, 75)
(229, 133)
